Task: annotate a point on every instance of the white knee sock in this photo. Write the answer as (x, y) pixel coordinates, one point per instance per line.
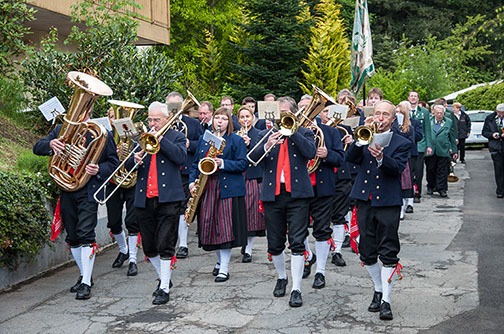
(375, 273)
(297, 267)
(403, 206)
(322, 249)
(409, 201)
(386, 272)
(156, 263)
(133, 249)
(76, 252)
(121, 242)
(182, 231)
(307, 248)
(338, 236)
(165, 275)
(250, 242)
(348, 217)
(279, 262)
(225, 257)
(87, 264)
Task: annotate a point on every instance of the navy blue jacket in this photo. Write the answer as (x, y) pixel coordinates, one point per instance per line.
(384, 183)
(171, 156)
(231, 180)
(253, 172)
(194, 131)
(301, 149)
(324, 175)
(236, 123)
(108, 161)
(411, 136)
(344, 170)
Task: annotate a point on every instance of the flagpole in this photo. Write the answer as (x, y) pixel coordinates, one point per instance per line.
(364, 94)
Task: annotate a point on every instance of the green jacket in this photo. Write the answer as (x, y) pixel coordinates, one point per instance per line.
(451, 115)
(423, 115)
(442, 141)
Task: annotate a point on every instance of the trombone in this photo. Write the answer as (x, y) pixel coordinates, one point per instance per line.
(149, 143)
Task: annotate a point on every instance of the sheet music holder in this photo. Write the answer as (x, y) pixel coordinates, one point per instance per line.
(211, 138)
(268, 110)
(51, 108)
(103, 121)
(125, 128)
(338, 111)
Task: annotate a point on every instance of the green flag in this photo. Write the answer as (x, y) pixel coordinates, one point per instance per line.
(361, 64)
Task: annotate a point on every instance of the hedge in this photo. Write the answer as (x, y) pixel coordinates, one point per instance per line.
(485, 97)
(25, 224)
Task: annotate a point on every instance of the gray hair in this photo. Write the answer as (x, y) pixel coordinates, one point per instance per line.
(175, 94)
(500, 107)
(306, 97)
(344, 92)
(406, 103)
(159, 106)
(438, 106)
(291, 101)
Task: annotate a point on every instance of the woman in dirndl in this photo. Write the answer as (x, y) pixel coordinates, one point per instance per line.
(402, 125)
(253, 178)
(222, 221)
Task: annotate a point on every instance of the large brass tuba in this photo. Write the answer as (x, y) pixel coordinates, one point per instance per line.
(68, 167)
(206, 166)
(125, 144)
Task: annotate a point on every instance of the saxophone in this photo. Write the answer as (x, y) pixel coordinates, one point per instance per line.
(206, 166)
(68, 167)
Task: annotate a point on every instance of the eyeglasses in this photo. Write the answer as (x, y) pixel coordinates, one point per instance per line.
(153, 120)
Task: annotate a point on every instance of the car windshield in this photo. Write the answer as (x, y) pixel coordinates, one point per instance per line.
(478, 117)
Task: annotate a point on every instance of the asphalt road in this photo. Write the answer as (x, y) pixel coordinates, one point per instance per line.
(482, 231)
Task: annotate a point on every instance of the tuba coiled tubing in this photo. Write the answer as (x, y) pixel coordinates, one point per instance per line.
(67, 168)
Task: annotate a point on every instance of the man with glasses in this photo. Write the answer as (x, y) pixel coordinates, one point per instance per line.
(228, 102)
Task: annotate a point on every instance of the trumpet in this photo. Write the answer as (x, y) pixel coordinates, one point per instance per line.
(149, 143)
(364, 134)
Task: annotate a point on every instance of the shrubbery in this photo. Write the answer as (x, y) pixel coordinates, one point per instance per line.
(486, 97)
(24, 221)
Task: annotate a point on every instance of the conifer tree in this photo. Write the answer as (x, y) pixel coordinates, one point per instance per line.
(274, 49)
(328, 59)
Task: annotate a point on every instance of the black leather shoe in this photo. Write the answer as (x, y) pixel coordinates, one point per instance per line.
(417, 200)
(319, 281)
(242, 251)
(182, 253)
(156, 292)
(118, 262)
(83, 292)
(346, 242)
(337, 259)
(307, 268)
(75, 287)
(161, 298)
(409, 209)
(280, 287)
(295, 299)
(375, 303)
(385, 311)
(500, 196)
(132, 269)
(430, 191)
(443, 194)
(215, 270)
(222, 278)
(247, 258)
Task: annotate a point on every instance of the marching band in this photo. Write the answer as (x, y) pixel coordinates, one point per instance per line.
(201, 167)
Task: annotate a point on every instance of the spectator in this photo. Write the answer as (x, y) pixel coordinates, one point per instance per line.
(493, 129)
(464, 129)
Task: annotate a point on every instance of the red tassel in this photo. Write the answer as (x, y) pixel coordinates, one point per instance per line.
(147, 259)
(94, 251)
(354, 231)
(112, 236)
(306, 256)
(397, 268)
(270, 259)
(261, 206)
(332, 243)
(69, 250)
(346, 228)
(173, 263)
(57, 222)
(139, 241)
(362, 264)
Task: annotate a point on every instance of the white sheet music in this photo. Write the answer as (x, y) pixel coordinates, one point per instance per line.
(210, 137)
(103, 121)
(382, 139)
(400, 118)
(51, 108)
(338, 111)
(269, 110)
(125, 128)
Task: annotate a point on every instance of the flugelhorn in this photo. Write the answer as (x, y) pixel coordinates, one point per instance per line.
(364, 134)
(67, 168)
(149, 143)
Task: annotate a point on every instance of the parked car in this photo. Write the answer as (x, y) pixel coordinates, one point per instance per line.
(477, 120)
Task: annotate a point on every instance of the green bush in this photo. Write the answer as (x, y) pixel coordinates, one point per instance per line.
(12, 99)
(485, 97)
(24, 220)
(37, 165)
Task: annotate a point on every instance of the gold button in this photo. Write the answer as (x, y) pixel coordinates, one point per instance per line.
(201, 151)
(250, 165)
(142, 179)
(363, 191)
(320, 170)
(224, 178)
(293, 144)
(163, 173)
(141, 190)
(164, 185)
(365, 181)
(225, 186)
(94, 186)
(368, 171)
(377, 187)
(296, 180)
(321, 181)
(343, 171)
(271, 158)
(377, 197)
(371, 162)
(294, 155)
(271, 171)
(270, 184)
(295, 167)
(377, 176)
(162, 161)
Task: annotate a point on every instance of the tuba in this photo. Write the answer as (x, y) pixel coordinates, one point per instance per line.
(206, 166)
(68, 167)
(125, 144)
